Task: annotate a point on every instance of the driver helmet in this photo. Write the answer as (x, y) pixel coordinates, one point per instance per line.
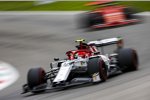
(82, 44)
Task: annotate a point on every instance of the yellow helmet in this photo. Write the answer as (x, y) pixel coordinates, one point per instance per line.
(80, 40)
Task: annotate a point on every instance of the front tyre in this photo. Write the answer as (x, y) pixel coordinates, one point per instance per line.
(89, 19)
(35, 77)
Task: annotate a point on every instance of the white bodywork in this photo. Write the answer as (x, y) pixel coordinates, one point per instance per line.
(63, 71)
(66, 68)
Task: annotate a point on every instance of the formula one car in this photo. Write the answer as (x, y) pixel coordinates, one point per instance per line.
(86, 64)
(108, 15)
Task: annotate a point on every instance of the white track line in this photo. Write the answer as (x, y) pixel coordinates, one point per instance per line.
(8, 75)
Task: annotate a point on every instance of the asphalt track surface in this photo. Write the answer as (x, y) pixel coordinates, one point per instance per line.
(34, 40)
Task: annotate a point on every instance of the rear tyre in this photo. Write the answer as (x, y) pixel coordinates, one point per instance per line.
(35, 77)
(97, 65)
(128, 59)
(89, 19)
(96, 18)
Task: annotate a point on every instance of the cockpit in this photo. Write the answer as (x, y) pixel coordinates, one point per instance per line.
(75, 54)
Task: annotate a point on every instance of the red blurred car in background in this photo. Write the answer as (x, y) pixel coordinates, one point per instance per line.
(108, 15)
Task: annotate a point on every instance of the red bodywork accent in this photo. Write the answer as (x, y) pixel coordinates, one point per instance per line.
(80, 53)
(84, 53)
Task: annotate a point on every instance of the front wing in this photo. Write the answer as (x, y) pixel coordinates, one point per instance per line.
(44, 87)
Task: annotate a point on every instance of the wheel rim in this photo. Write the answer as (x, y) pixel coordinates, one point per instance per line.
(42, 76)
(135, 60)
(103, 71)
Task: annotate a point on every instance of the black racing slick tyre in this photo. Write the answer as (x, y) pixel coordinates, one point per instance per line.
(35, 77)
(96, 18)
(89, 19)
(128, 59)
(97, 65)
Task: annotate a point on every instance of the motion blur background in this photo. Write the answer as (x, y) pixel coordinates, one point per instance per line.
(32, 39)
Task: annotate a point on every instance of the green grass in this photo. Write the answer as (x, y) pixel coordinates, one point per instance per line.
(62, 6)
(15, 5)
(140, 5)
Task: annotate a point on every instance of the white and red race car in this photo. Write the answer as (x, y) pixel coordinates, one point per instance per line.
(86, 64)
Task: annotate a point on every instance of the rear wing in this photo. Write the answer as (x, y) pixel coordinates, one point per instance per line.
(106, 42)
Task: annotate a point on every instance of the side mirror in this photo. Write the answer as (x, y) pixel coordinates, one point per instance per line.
(56, 59)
